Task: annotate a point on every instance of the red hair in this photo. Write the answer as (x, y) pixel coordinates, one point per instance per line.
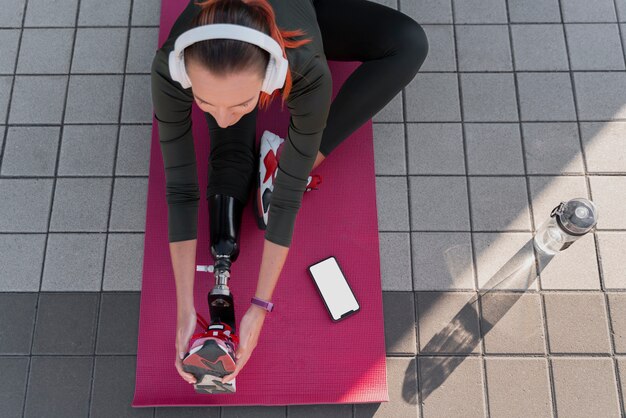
(265, 12)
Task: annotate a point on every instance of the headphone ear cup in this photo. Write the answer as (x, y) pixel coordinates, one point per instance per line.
(177, 70)
(268, 81)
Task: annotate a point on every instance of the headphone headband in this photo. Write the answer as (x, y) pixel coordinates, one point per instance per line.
(277, 66)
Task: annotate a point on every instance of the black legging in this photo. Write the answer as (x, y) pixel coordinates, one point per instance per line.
(391, 46)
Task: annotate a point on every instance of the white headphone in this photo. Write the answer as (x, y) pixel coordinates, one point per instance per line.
(275, 72)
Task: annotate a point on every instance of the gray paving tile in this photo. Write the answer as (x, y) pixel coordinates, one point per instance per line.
(87, 150)
(395, 260)
(38, 99)
(66, 323)
(447, 323)
(489, 97)
(392, 112)
(314, 411)
(146, 12)
(8, 49)
(621, 361)
(73, 262)
(118, 323)
(21, 258)
(603, 144)
(499, 203)
(97, 13)
(621, 10)
(392, 204)
(594, 46)
(59, 386)
(454, 386)
(577, 323)
(552, 148)
(608, 194)
(214, 411)
(45, 51)
(238, 412)
(617, 307)
(586, 11)
(433, 97)
(128, 210)
(534, 11)
(512, 323)
(399, 323)
(473, 56)
(576, 268)
(137, 107)
(13, 385)
(100, 50)
(546, 96)
(434, 210)
(94, 99)
(539, 47)
(499, 253)
(25, 204)
(480, 11)
(5, 92)
(12, 13)
(585, 387)
(16, 321)
(30, 151)
(389, 155)
(443, 261)
(389, 3)
(81, 204)
(518, 387)
(142, 46)
(124, 262)
(402, 384)
(441, 56)
(494, 148)
(113, 388)
(600, 96)
(133, 150)
(51, 13)
(435, 148)
(428, 11)
(612, 247)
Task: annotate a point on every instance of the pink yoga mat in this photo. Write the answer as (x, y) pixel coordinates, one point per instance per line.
(302, 357)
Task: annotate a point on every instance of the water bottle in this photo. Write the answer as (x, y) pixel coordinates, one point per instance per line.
(568, 222)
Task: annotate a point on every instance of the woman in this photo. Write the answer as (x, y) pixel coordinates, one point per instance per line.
(227, 77)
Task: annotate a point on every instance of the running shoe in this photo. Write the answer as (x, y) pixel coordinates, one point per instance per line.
(268, 169)
(212, 352)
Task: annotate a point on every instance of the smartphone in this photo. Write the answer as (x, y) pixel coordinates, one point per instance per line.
(332, 285)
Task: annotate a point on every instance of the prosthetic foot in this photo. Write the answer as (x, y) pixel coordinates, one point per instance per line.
(212, 353)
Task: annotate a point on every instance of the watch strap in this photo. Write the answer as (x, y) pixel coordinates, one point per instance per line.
(268, 306)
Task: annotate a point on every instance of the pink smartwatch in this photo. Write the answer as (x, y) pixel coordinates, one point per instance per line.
(268, 306)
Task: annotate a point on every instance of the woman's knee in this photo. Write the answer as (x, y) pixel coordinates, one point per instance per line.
(413, 45)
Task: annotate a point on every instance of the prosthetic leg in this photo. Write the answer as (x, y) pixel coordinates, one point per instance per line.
(212, 355)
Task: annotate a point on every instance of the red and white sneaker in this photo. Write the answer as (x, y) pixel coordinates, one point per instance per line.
(268, 169)
(212, 352)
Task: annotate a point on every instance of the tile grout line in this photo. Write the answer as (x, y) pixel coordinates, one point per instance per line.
(483, 371)
(52, 192)
(616, 381)
(539, 286)
(107, 232)
(403, 101)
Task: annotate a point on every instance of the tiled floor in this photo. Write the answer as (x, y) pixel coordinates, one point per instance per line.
(519, 105)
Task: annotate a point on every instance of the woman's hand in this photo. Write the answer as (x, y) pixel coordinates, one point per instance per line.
(185, 326)
(249, 330)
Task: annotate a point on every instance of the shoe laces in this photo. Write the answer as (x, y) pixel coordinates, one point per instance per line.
(223, 334)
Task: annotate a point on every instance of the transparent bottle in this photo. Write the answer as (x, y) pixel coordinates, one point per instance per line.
(568, 222)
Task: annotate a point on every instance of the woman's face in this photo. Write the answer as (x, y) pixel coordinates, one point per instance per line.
(226, 99)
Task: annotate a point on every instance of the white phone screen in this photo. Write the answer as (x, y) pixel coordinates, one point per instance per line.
(334, 287)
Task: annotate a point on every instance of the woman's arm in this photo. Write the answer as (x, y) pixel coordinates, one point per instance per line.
(272, 262)
(183, 255)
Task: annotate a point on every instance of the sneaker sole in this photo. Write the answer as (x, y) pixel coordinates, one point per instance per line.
(212, 385)
(210, 358)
